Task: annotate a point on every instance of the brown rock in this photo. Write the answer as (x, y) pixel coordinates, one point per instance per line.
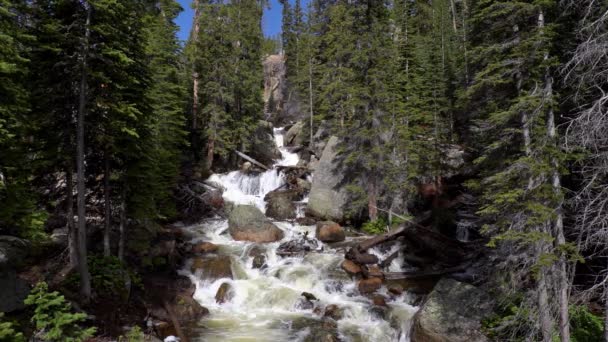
(334, 311)
(374, 271)
(367, 259)
(224, 293)
(369, 285)
(328, 231)
(397, 290)
(248, 223)
(204, 247)
(350, 267)
(164, 329)
(213, 268)
(379, 300)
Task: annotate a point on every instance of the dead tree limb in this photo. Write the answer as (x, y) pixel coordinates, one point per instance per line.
(249, 159)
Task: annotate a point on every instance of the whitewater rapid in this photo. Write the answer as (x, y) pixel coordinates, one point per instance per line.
(265, 302)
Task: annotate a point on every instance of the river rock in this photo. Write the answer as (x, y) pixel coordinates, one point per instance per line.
(204, 247)
(12, 251)
(248, 223)
(379, 300)
(213, 268)
(325, 330)
(452, 313)
(333, 311)
(374, 271)
(328, 197)
(295, 135)
(350, 267)
(280, 206)
(369, 285)
(224, 293)
(396, 289)
(328, 231)
(306, 221)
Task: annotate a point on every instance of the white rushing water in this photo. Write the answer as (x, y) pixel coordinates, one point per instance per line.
(265, 301)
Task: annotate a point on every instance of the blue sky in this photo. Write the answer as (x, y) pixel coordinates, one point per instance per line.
(271, 23)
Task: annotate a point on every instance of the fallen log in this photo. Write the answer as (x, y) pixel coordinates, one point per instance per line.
(424, 274)
(249, 159)
(365, 245)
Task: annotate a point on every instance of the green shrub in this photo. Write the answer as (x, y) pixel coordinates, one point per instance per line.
(8, 332)
(378, 226)
(134, 335)
(585, 326)
(53, 316)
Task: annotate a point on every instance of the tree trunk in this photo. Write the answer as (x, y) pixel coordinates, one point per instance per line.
(310, 105)
(83, 269)
(107, 205)
(72, 232)
(210, 153)
(122, 229)
(195, 84)
(372, 201)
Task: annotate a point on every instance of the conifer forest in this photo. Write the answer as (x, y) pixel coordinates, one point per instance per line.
(378, 171)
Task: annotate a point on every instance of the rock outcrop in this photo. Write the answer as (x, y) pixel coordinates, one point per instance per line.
(280, 206)
(452, 313)
(295, 135)
(212, 268)
(274, 84)
(248, 223)
(13, 289)
(328, 197)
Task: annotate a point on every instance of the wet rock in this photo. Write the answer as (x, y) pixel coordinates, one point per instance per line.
(333, 311)
(369, 285)
(367, 259)
(452, 312)
(224, 293)
(164, 329)
(379, 300)
(325, 330)
(374, 271)
(334, 286)
(204, 247)
(304, 304)
(213, 268)
(299, 246)
(259, 261)
(328, 231)
(248, 223)
(246, 167)
(328, 197)
(185, 308)
(280, 206)
(295, 135)
(308, 296)
(350, 267)
(381, 312)
(397, 290)
(303, 185)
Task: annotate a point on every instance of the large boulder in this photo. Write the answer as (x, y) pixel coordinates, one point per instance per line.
(248, 223)
(295, 135)
(212, 268)
(12, 251)
(280, 206)
(13, 291)
(452, 313)
(328, 231)
(328, 197)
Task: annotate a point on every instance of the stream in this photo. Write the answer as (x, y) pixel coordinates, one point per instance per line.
(266, 303)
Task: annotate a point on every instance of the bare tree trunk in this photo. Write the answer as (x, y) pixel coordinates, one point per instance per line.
(83, 269)
(606, 309)
(107, 205)
(122, 228)
(372, 201)
(210, 152)
(310, 105)
(72, 232)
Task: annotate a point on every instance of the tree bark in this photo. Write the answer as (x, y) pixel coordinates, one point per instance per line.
(122, 229)
(107, 205)
(72, 231)
(83, 269)
(310, 103)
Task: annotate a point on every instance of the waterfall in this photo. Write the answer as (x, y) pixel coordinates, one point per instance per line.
(265, 302)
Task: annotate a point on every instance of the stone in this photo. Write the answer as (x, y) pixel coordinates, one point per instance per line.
(295, 135)
(328, 231)
(369, 285)
(204, 248)
(374, 271)
(248, 223)
(13, 291)
(396, 290)
(306, 221)
(329, 198)
(213, 268)
(224, 293)
(351, 268)
(303, 185)
(333, 311)
(280, 206)
(259, 261)
(325, 330)
(12, 251)
(302, 245)
(367, 259)
(452, 312)
(308, 296)
(379, 300)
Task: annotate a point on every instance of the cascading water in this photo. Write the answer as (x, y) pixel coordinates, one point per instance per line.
(265, 302)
